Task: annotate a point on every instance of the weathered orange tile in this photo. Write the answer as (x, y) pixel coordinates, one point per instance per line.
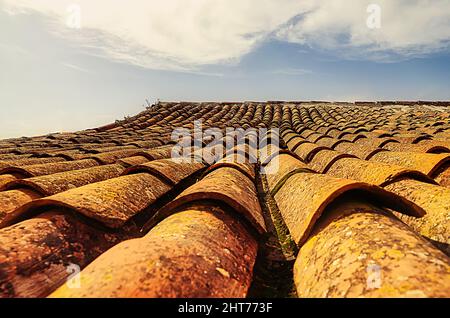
(435, 200)
(229, 186)
(198, 252)
(358, 250)
(304, 196)
(373, 172)
(64, 181)
(11, 200)
(423, 162)
(168, 170)
(39, 254)
(5, 179)
(307, 151)
(282, 167)
(325, 159)
(49, 168)
(112, 202)
(28, 162)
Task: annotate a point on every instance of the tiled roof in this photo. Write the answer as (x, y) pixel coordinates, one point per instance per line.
(355, 202)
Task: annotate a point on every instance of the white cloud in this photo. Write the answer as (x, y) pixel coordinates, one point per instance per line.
(408, 28)
(171, 33)
(185, 34)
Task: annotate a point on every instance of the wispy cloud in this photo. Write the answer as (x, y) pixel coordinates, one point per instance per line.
(76, 67)
(184, 35)
(292, 71)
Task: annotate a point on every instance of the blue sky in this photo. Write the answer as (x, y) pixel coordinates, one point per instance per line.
(56, 78)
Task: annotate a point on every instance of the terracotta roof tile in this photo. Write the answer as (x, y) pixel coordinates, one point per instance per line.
(112, 202)
(230, 187)
(376, 173)
(29, 162)
(168, 170)
(420, 147)
(131, 161)
(11, 156)
(11, 200)
(325, 159)
(281, 168)
(354, 243)
(362, 151)
(435, 200)
(423, 162)
(5, 179)
(362, 189)
(113, 156)
(317, 191)
(307, 151)
(63, 181)
(49, 168)
(36, 253)
(442, 176)
(198, 252)
(236, 161)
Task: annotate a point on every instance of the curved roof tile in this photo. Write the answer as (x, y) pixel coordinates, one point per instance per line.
(64, 181)
(325, 159)
(304, 196)
(376, 173)
(331, 212)
(423, 162)
(229, 186)
(28, 162)
(36, 253)
(112, 202)
(198, 252)
(307, 151)
(359, 250)
(5, 179)
(435, 200)
(49, 168)
(236, 161)
(14, 199)
(167, 170)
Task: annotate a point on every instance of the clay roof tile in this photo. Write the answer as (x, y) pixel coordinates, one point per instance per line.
(49, 168)
(63, 181)
(324, 159)
(199, 252)
(171, 171)
(230, 187)
(355, 237)
(423, 162)
(317, 191)
(376, 173)
(195, 223)
(112, 202)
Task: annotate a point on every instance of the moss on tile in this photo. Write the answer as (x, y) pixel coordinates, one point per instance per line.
(273, 275)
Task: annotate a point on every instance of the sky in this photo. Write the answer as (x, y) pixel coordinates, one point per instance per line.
(67, 65)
